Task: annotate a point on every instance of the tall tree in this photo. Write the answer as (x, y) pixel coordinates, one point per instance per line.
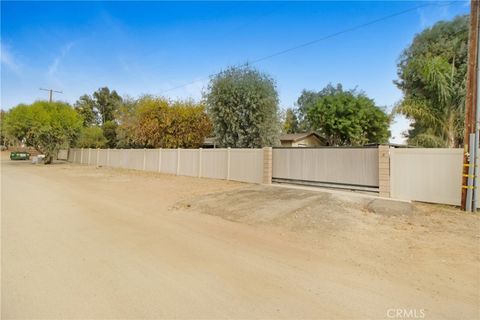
(432, 75)
(344, 117)
(109, 129)
(290, 123)
(85, 106)
(106, 102)
(45, 126)
(100, 107)
(243, 105)
(126, 117)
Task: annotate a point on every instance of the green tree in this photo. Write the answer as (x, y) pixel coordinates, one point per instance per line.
(3, 134)
(290, 124)
(161, 123)
(85, 106)
(110, 132)
(100, 107)
(432, 77)
(344, 117)
(243, 105)
(106, 102)
(126, 117)
(45, 126)
(91, 137)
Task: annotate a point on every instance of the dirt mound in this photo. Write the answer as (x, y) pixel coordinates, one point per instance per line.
(291, 208)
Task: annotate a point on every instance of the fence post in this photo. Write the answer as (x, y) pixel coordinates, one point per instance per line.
(228, 163)
(81, 155)
(160, 160)
(384, 171)
(108, 157)
(178, 161)
(89, 155)
(144, 158)
(74, 156)
(98, 156)
(200, 162)
(267, 165)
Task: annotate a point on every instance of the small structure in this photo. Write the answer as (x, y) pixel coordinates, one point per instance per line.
(209, 143)
(308, 139)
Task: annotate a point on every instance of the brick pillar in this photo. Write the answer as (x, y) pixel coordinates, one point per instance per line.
(267, 165)
(384, 171)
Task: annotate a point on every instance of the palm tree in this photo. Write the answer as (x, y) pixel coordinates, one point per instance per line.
(438, 114)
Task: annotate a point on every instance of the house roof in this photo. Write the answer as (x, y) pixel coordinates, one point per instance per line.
(294, 137)
(394, 145)
(209, 141)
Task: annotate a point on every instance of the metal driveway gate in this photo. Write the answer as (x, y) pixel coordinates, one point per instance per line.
(346, 168)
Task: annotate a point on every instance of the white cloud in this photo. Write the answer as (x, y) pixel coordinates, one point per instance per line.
(8, 59)
(53, 68)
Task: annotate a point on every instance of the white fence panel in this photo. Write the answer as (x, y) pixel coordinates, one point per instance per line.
(246, 165)
(115, 158)
(214, 163)
(62, 154)
(71, 155)
(83, 156)
(151, 159)
(102, 157)
(91, 156)
(169, 161)
(189, 162)
(94, 157)
(430, 175)
(235, 164)
(77, 156)
(134, 159)
(348, 166)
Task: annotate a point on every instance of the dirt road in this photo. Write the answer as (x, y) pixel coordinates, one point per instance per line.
(82, 242)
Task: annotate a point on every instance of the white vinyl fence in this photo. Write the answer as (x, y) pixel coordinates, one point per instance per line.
(353, 168)
(430, 175)
(62, 154)
(232, 164)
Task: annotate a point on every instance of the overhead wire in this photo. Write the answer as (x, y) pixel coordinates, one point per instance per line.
(312, 42)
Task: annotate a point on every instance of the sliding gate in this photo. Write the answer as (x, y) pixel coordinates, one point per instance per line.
(345, 168)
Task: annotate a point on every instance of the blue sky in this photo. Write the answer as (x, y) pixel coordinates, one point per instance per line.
(150, 47)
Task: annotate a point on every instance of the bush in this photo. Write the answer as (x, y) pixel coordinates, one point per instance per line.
(91, 137)
(43, 125)
(160, 123)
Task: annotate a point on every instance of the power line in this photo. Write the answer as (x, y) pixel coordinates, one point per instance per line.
(360, 26)
(309, 43)
(50, 93)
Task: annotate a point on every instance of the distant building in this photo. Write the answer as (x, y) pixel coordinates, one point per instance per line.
(209, 143)
(308, 139)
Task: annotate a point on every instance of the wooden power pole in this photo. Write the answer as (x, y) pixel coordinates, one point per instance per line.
(471, 98)
(50, 93)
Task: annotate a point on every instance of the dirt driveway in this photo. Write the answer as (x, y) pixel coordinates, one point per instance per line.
(82, 242)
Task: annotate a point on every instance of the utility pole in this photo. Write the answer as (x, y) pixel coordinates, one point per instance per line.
(470, 108)
(50, 93)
